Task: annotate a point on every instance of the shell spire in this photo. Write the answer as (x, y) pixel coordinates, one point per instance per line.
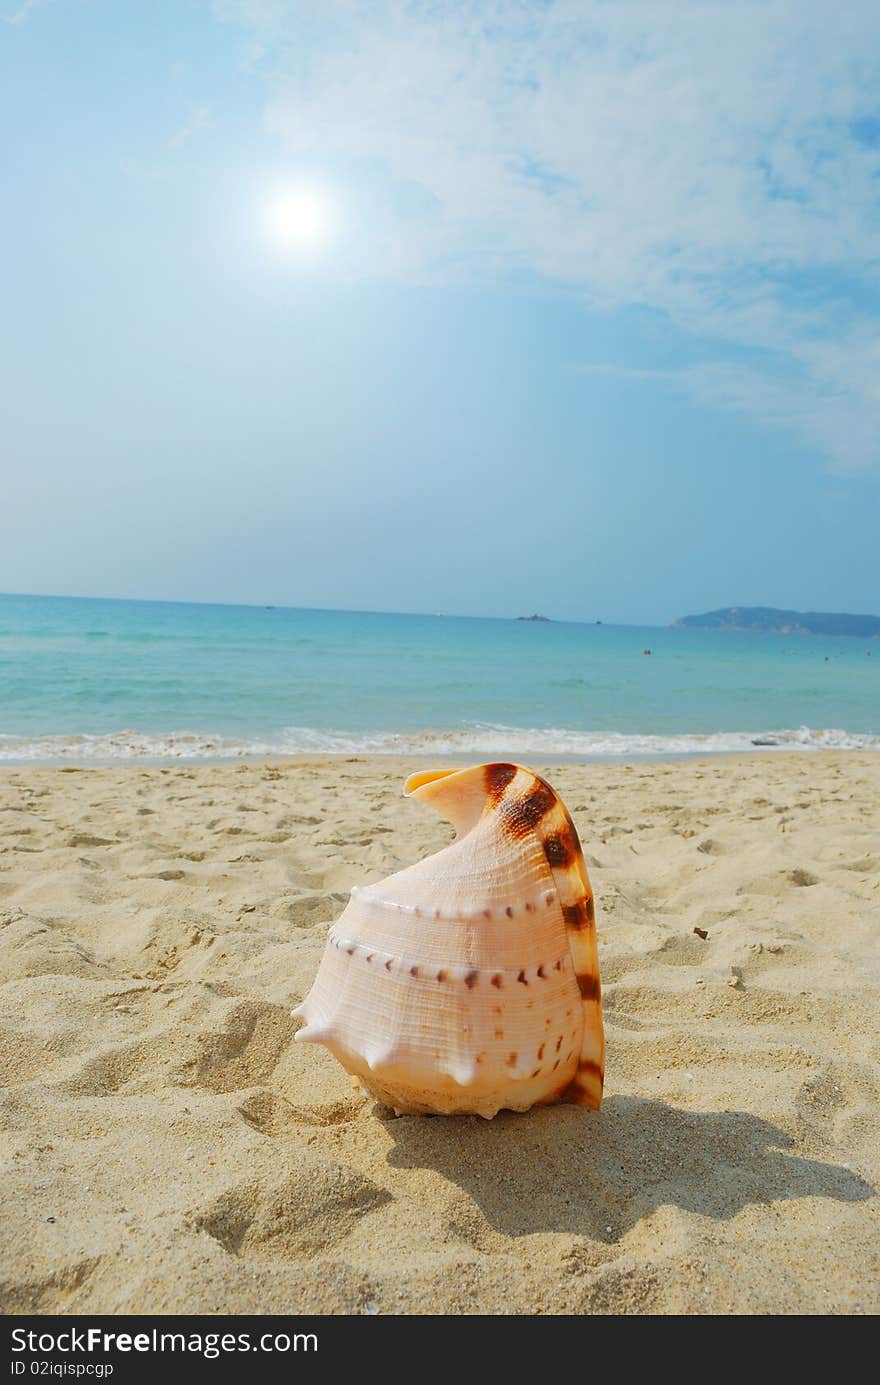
(469, 982)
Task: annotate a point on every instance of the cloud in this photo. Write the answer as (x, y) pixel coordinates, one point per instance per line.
(199, 120)
(23, 13)
(784, 398)
(717, 162)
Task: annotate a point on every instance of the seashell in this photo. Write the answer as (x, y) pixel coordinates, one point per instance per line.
(469, 982)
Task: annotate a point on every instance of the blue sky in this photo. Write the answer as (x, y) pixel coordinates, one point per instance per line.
(482, 308)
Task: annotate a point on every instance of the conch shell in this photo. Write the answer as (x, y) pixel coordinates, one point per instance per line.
(469, 983)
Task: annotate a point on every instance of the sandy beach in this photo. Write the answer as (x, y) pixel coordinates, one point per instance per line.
(167, 1148)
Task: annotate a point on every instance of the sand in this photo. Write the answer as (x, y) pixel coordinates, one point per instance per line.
(167, 1148)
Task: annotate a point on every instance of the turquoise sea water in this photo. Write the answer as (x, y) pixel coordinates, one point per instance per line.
(92, 680)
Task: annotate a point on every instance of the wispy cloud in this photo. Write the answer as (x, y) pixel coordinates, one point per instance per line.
(782, 396)
(717, 162)
(199, 120)
(23, 13)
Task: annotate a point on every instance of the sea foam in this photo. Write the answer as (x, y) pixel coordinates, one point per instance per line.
(476, 739)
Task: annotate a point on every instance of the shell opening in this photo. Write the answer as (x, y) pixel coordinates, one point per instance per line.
(428, 776)
(457, 794)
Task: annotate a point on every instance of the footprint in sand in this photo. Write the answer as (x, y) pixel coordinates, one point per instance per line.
(314, 1205)
(803, 877)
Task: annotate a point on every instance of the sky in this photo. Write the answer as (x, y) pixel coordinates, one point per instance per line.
(569, 306)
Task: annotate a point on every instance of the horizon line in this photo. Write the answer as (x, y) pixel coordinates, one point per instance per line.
(677, 622)
(330, 610)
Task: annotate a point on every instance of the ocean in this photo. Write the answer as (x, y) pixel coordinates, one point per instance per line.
(85, 680)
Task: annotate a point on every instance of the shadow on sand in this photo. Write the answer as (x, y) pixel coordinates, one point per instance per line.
(565, 1169)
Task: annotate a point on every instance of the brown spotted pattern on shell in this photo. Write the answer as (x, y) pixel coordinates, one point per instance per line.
(469, 982)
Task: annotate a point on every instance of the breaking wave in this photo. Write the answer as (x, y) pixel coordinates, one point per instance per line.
(486, 739)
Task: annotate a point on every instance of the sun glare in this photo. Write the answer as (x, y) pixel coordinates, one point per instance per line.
(298, 220)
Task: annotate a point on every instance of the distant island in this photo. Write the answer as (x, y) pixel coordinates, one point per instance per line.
(533, 618)
(767, 618)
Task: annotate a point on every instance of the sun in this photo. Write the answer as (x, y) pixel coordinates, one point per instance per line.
(298, 219)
